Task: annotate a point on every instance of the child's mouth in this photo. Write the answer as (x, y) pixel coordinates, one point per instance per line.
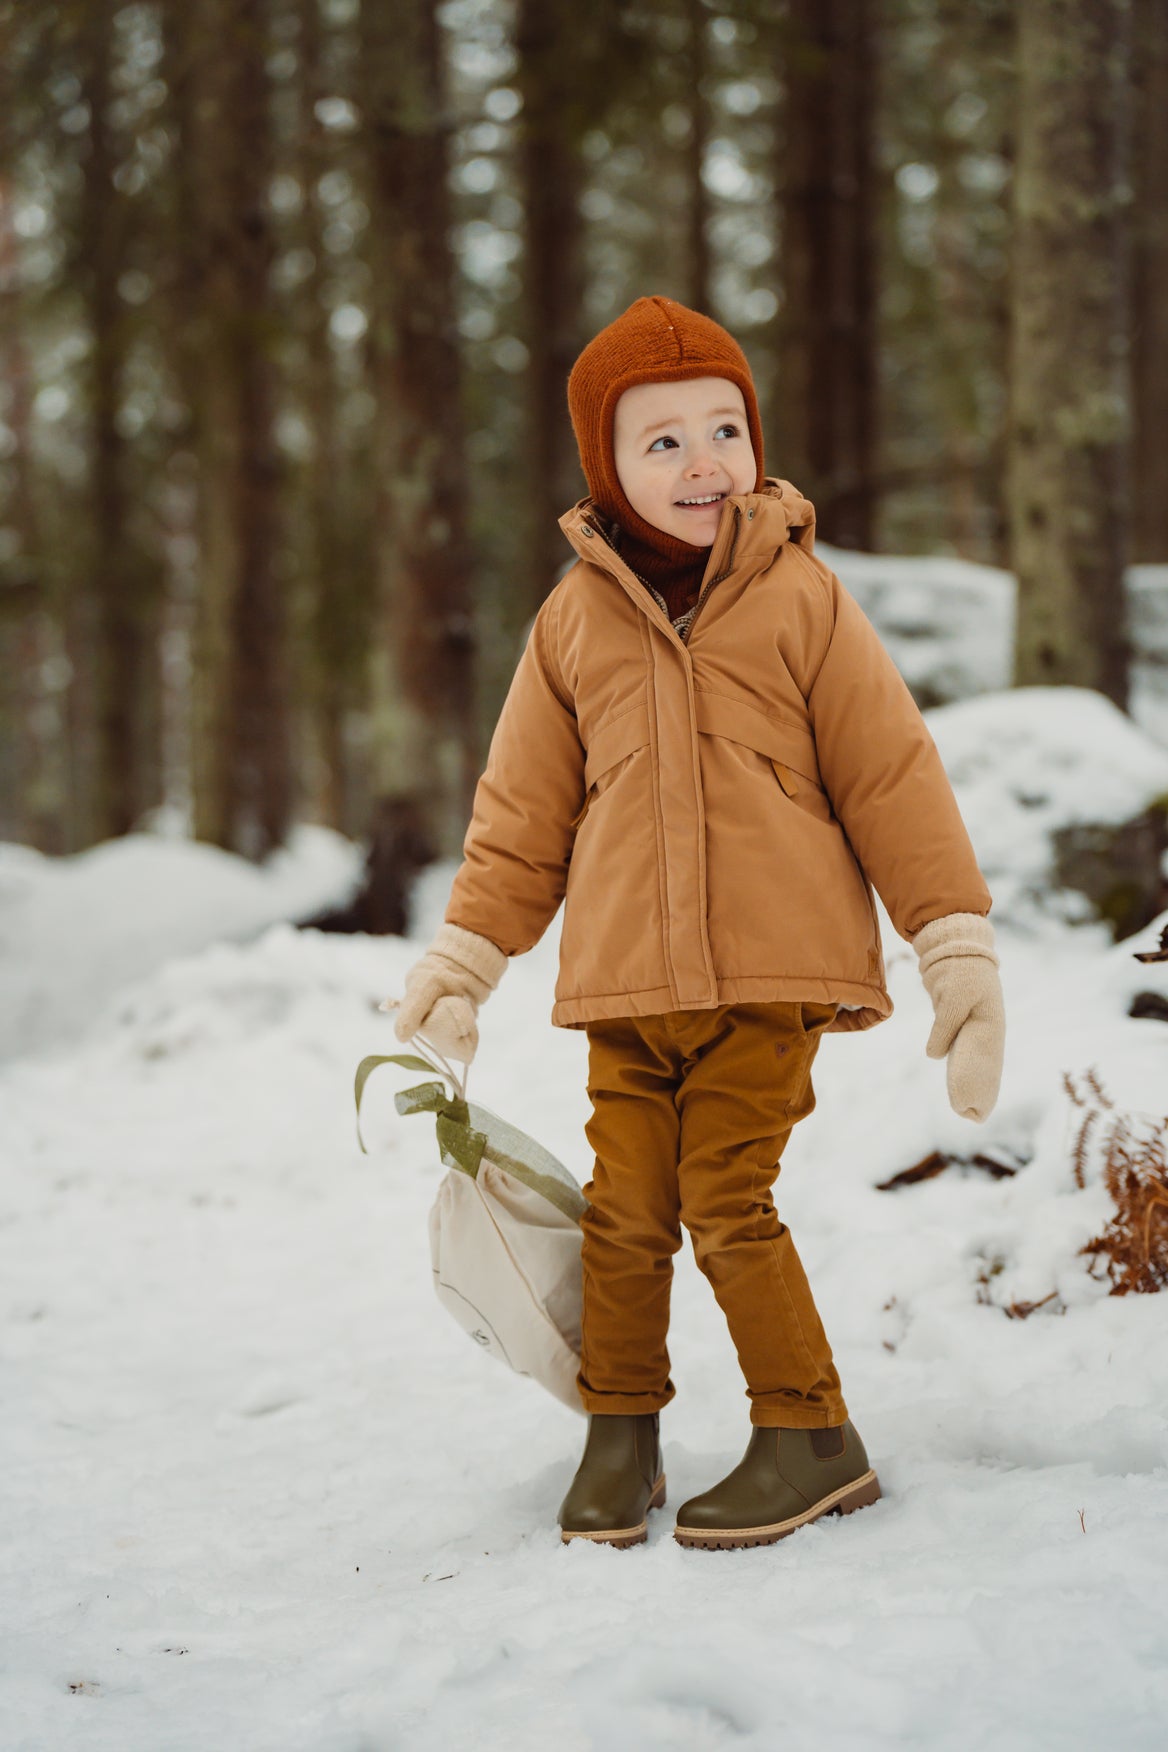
(705, 503)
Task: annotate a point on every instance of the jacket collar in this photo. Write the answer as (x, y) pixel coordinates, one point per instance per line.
(751, 530)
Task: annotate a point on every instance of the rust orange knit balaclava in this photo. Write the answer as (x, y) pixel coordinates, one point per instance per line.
(655, 340)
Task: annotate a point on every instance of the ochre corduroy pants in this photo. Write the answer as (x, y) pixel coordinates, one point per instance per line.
(690, 1115)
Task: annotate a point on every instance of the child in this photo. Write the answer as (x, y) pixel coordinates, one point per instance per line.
(708, 755)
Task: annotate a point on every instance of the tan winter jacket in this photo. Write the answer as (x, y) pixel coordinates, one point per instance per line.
(712, 811)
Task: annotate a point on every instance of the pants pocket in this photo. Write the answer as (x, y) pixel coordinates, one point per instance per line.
(814, 1018)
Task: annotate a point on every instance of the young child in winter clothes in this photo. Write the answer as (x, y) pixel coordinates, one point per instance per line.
(707, 754)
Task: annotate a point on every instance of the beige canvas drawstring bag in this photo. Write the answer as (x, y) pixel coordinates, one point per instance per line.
(504, 1228)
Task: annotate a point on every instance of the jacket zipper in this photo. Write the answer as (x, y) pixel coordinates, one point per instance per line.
(729, 567)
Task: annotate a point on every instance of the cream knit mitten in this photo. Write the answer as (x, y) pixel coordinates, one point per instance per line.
(445, 988)
(960, 971)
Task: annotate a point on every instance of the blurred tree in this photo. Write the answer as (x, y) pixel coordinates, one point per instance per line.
(573, 70)
(32, 783)
(1149, 351)
(826, 184)
(333, 558)
(1070, 416)
(695, 64)
(945, 121)
(122, 597)
(559, 93)
(77, 84)
(289, 292)
(424, 716)
(241, 755)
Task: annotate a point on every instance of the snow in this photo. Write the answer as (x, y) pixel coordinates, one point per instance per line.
(948, 623)
(71, 928)
(1147, 599)
(257, 1490)
(1029, 761)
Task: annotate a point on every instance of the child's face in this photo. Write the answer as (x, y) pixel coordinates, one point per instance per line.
(682, 440)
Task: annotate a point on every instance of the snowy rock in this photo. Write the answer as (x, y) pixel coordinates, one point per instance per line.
(1148, 627)
(1147, 592)
(1120, 869)
(1032, 765)
(948, 624)
(1129, 987)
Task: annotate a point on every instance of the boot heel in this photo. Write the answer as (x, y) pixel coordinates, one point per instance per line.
(866, 1490)
(657, 1500)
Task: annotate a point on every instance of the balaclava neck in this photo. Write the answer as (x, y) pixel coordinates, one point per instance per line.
(656, 340)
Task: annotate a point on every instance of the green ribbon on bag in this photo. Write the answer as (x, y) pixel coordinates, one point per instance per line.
(466, 1132)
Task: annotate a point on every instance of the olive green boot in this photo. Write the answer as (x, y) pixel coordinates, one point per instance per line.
(785, 1479)
(617, 1482)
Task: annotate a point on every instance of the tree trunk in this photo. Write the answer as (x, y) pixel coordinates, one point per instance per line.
(1070, 418)
(1150, 286)
(241, 753)
(697, 261)
(259, 743)
(551, 179)
(122, 606)
(827, 389)
(424, 720)
(33, 788)
(328, 580)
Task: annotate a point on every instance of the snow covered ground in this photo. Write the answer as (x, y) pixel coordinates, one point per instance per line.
(258, 1492)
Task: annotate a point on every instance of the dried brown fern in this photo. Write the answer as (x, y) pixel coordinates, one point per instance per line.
(1069, 1086)
(1082, 1145)
(1091, 1078)
(1133, 1248)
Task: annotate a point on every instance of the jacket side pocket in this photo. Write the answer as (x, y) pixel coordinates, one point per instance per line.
(806, 796)
(786, 778)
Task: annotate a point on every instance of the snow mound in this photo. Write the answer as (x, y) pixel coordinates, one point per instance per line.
(1029, 761)
(74, 930)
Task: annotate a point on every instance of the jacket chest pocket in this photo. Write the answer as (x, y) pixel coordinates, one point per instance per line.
(787, 747)
(610, 749)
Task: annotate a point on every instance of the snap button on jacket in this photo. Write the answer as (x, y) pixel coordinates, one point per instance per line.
(714, 812)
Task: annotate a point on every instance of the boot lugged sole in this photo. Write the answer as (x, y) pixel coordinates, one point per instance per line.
(857, 1495)
(622, 1536)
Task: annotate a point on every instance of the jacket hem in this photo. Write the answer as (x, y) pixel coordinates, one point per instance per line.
(872, 1003)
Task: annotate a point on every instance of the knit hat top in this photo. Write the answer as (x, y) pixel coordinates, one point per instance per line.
(656, 340)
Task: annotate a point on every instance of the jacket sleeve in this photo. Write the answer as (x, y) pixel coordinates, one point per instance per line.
(519, 842)
(885, 778)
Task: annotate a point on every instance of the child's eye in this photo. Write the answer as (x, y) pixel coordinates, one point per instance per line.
(727, 426)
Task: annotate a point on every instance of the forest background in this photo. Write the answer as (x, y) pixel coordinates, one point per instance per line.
(289, 292)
